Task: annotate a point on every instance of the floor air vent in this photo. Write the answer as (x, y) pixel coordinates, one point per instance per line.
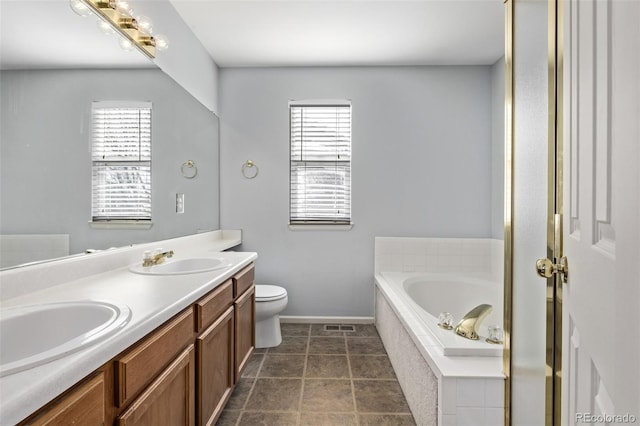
(339, 327)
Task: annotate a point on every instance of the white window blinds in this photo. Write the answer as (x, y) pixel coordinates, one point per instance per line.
(121, 161)
(320, 185)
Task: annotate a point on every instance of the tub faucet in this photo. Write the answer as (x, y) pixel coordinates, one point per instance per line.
(151, 260)
(468, 325)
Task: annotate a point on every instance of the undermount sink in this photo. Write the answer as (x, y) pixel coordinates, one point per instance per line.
(182, 266)
(34, 335)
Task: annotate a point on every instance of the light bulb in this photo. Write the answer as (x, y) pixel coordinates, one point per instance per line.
(80, 8)
(162, 42)
(123, 6)
(105, 27)
(145, 24)
(126, 44)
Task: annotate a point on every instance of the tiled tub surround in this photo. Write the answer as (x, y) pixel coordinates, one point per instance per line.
(467, 390)
(445, 255)
(318, 377)
(106, 276)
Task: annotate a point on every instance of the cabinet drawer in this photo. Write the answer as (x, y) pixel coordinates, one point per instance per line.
(136, 368)
(243, 280)
(83, 406)
(212, 305)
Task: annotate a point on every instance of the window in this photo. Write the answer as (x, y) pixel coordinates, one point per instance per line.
(320, 181)
(121, 161)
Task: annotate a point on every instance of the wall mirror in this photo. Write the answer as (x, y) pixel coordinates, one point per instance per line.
(49, 78)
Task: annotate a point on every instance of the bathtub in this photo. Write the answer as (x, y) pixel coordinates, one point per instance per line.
(446, 378)
(429, 294)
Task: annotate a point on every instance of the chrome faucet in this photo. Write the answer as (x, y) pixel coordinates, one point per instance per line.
(468, 325)
(158, 258)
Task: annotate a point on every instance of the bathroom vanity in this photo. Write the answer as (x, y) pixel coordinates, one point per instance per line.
(177, 361)
(181, 373)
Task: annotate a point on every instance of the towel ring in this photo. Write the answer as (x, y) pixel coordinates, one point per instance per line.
(249, 165)
(189, 169)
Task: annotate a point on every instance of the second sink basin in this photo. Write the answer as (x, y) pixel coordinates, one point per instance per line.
(36, 334)
(182, 266)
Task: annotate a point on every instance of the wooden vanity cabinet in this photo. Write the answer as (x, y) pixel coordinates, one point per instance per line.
(245, 304)
(169, 399)
(214, 304)
(182, 373)
(214, 352)
(139, 365)
(244, 310)
(84, 405)
(215, 366)
(155, 379)
(243, 280)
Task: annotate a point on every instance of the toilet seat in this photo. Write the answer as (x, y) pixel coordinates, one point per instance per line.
(268, 293)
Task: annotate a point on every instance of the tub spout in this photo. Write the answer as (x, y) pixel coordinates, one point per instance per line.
(468, 326)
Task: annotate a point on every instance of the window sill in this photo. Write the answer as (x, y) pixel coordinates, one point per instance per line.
(121, 224)
(318, 227)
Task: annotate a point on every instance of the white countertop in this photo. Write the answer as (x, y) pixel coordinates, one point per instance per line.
(152, 299)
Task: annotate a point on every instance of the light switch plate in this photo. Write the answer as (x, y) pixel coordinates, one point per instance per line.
(179, 203)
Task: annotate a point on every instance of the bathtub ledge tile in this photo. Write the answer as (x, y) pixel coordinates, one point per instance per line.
(470, 392)
(494, 416)
(447, 395)
(448, 420)
(472, 367)
(427, 340)
(494, 393)
(422, 330)
(471, 416)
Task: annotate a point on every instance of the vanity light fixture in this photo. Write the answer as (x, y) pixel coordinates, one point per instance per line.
(135, 31)
(80, 8)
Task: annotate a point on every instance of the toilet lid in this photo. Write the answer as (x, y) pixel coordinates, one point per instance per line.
(265, 293)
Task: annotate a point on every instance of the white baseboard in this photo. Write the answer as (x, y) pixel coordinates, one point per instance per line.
(325, 320)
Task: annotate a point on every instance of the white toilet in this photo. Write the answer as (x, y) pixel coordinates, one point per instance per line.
(270, 301)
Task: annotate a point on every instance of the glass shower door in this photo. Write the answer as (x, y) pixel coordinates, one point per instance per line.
(529, 211)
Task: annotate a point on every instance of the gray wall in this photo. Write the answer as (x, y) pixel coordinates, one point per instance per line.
(421, 167)
(186, 61)
(45, 168)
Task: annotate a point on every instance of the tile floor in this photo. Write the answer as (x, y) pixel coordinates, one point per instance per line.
(318, 377)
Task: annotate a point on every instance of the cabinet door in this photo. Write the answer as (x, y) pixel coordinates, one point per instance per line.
(169, 400)
(215, 366)
(145, 360)
(83, 406)
(245, 330)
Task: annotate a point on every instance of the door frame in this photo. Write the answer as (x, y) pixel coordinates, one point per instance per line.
(553, 386)
(508, 209)
(553, 382)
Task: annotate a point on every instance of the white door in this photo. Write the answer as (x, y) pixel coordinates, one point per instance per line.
(601, 323)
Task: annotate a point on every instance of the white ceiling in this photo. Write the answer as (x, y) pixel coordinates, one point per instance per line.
(240, 33)
(237, 33)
